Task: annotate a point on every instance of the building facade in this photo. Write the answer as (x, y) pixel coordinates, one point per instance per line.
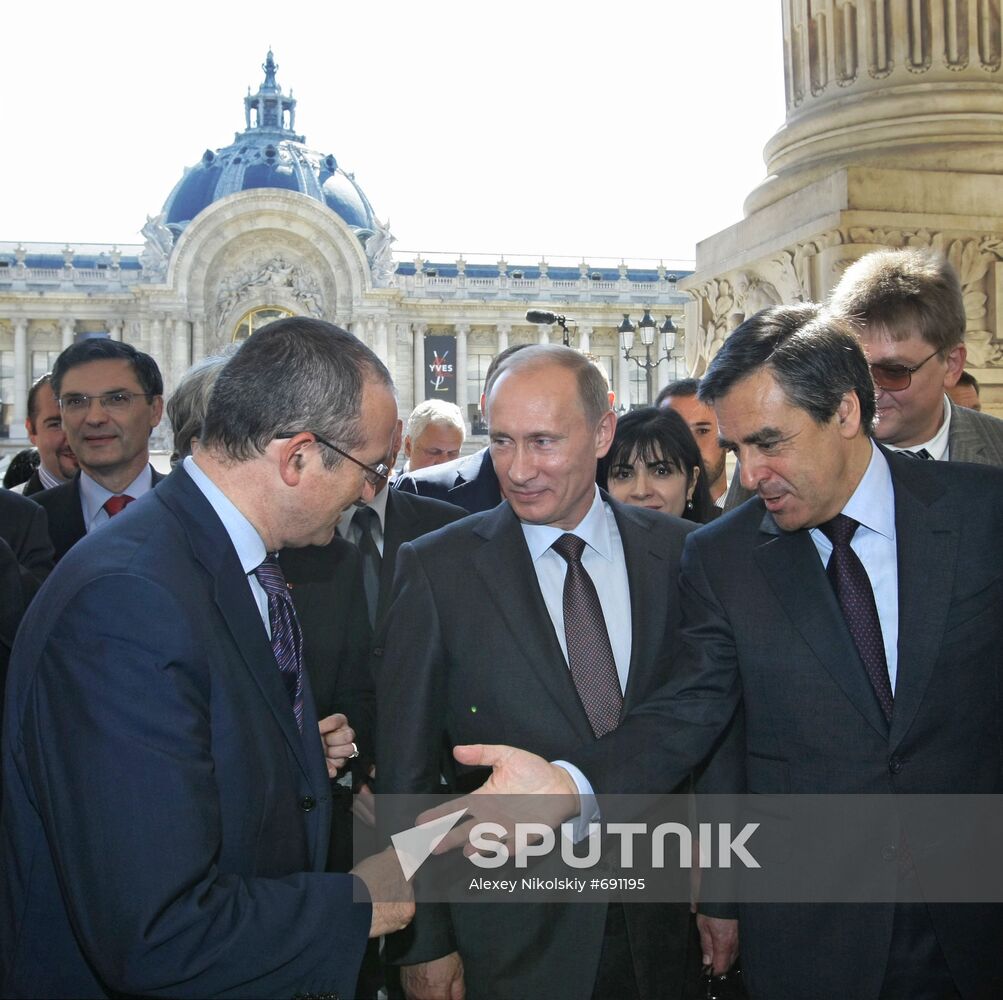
(267, 227)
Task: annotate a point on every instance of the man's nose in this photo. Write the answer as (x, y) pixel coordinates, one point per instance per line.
(523, 467)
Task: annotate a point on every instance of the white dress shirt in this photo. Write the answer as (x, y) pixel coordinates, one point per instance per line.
(93, 496)
(938, 447)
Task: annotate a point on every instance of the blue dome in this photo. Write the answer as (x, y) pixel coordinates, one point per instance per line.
(269, 154)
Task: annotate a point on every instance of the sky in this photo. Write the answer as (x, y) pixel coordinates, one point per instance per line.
(555, 128)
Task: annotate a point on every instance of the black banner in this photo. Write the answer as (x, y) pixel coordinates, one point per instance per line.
(440, 368)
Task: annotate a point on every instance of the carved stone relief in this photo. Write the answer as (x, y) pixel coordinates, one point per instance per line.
(288, 280)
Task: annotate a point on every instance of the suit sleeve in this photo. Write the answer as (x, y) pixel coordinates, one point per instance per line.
(126, 768)
(411, 671)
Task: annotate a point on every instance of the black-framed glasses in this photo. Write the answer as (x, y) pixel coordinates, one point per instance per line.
(375, 474)
(76, 403)
(895, 378)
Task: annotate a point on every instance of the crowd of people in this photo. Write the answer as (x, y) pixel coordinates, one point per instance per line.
(205, 687)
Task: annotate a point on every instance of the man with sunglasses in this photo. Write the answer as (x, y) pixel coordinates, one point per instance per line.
(111, 398)
(909, 309)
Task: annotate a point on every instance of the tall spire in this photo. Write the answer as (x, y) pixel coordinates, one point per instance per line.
(268, 110)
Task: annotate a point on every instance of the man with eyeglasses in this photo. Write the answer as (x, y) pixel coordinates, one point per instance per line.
(167, 808)
(111, 398)
(909, 310)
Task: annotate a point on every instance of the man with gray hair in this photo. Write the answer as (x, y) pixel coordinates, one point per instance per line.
(166, 805)
(909, 311)
(434, 435)
(576, 622)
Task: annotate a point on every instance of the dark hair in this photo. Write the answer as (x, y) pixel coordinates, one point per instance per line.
(21, 467)
(814, 357)
(967, 378)
(902, 292)
(33, 392)
(105, 349)
(653, 435)
(681, 387)
(296, 374)
(500, 358)
(593, 388)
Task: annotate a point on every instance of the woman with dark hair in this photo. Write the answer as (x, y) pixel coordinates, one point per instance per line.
(654, 462)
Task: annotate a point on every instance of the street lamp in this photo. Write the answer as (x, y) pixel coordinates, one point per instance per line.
(647, 329)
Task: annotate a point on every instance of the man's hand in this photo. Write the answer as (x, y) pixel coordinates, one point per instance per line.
(440, 979)
(338, 738)
(718, 943)
(391, 893)
(522, 788)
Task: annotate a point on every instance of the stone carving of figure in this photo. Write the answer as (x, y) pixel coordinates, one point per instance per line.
(159, 242)
(378, 251)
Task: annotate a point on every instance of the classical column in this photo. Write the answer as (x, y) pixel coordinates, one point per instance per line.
(622, 386)
(502, 330)
(418, 347)
(157, 340)
(584, 338)
(115, 327)
(543, 334)
(462, 331)
(68, 329)
(20, 378)
(198, 339)
(180, 357)
(381, 345)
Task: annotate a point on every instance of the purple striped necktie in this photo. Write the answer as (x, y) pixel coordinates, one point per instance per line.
(287, 638)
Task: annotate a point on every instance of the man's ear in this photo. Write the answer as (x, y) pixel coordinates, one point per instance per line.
(605, 430)
(848, 414)
(955, 365)
(289, 454)
(407, 446)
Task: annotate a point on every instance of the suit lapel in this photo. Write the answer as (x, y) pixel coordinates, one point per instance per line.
(479, 489)
(790, 563)
(506, 571)
(927, 543)
(213, 549)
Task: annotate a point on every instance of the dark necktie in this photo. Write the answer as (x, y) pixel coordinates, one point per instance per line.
(287, 639)
(115, 505)
(590, 655)
(366, 520)
(853, 590)
(920, 453)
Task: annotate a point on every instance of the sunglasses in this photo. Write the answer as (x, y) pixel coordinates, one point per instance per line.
(895, 378)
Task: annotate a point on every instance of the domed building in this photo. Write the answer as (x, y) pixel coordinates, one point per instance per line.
(267, 226)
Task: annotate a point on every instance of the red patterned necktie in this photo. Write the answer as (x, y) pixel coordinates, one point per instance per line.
(116, 504)
(856, 598)
(590, 655)
(287, 638)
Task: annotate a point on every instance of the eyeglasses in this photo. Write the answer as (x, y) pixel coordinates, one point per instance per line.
(75, 403)
(375, 474)
(895, 378)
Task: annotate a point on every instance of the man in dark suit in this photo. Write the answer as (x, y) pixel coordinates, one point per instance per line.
(520, 665)
(166, 807)
(827, 706)
(25, 561)
(111, 398)
(469, 482)
(44, 424)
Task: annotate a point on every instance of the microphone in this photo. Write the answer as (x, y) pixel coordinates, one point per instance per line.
(538, 316)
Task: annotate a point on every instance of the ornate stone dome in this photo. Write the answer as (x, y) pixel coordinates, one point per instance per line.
(269, 154)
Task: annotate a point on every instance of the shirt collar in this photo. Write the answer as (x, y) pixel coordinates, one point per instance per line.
(592, 529)
(936, 447)
(873, 501)
(244, 536)
(93, 495)
(47, 479)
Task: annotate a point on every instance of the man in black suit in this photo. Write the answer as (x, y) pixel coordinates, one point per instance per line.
(44, 424)
(25, 561)
(111, 398)
(479, 619)
(907, 701)
(166, 810)
(469, 482)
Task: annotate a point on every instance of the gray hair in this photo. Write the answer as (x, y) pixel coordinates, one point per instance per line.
(188, 403)
(434, 411)
(296, 374)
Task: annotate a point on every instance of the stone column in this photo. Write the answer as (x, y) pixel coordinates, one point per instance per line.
(68, 329)
(157, 340)
(115, 327)
(462, 331)
(19, 410)
(418, 348)
(584, 338)
(180, 346)
(543, 334)
(198, 339)
(381, 345)
(502, 330)
(622, 386)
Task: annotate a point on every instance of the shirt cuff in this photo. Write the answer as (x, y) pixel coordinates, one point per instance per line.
(589, 812)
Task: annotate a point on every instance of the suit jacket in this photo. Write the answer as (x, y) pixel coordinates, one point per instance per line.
(25, 561)
(33, 485)
(765, 631)
(471, 628)
(975, 437)
(469, 482)
(66, 517)
(164, 822)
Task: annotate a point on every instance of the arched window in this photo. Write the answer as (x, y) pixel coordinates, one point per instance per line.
(254, 320)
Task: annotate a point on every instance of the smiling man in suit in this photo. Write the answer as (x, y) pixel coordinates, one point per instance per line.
(498, 611)
(111, 398)
(852, 610)
(166, 806)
